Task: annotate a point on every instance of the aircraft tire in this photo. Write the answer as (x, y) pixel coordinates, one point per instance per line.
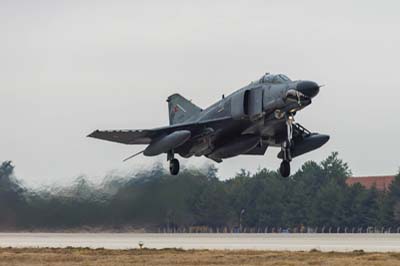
(285, 168)
(174, 166)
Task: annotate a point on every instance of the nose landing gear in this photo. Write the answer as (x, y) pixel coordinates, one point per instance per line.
(173, 164)
(284, 169)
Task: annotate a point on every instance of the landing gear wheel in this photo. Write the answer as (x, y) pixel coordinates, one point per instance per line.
(174, 166)
(285, 169)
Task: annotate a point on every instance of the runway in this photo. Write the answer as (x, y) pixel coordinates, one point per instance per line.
(290, 242)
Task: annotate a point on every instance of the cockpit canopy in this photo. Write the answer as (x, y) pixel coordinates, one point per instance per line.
(276, 79)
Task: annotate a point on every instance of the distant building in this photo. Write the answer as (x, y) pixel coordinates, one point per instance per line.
(380, 182)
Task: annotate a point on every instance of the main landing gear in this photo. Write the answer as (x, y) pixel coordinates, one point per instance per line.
(174, 167)
(284, 169)
(173, 164)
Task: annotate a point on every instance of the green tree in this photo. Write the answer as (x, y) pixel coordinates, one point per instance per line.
(12, 200)
(335, 168)
(328, 207)
(390, 205)
(210, 205)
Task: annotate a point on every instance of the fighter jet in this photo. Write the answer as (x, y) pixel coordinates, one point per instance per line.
(247, 122)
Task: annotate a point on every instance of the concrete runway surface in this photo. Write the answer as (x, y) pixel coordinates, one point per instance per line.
(290, 242)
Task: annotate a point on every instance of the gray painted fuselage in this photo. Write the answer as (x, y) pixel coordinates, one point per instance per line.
(270, 129)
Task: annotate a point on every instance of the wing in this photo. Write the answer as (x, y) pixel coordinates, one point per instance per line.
(125, 136)
(145, 136)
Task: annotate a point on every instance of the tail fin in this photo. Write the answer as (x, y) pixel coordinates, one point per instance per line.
(180, 109)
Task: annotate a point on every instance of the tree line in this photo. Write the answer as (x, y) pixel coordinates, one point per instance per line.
(315, 196)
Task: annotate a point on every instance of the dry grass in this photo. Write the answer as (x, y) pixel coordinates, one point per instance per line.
(83, 256)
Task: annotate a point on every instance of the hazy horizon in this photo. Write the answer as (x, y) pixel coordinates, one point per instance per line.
(69, 68)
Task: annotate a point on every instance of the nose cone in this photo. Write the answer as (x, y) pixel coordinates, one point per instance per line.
(308, 88)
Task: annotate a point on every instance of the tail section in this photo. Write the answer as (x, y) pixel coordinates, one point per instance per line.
(180, 109)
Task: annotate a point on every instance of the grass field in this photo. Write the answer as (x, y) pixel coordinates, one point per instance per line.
(82, 256)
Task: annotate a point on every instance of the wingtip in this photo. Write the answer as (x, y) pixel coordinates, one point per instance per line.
(91, 135)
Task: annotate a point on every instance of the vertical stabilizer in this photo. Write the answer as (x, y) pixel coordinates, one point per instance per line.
(180, 109)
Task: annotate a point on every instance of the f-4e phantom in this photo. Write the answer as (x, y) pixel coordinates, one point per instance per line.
(247, 122)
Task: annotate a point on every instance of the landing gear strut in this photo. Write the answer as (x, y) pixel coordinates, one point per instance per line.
(173, 164)
(286, 148)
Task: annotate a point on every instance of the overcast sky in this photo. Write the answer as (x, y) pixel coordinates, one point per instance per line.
(69, 67)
